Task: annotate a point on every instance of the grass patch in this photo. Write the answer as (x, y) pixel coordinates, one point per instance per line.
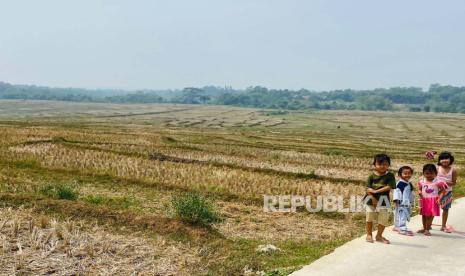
(241, 253)
(60, 191)
(195, 209)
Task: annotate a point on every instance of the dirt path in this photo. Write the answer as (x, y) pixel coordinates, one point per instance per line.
(440, 254)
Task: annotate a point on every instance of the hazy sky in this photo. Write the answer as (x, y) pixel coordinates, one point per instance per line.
(319, 45)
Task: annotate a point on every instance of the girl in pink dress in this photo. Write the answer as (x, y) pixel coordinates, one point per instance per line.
(431, 191)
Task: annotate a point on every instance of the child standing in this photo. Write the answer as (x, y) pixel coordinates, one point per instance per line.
(403, 198)
(431, 191)
(447, 174)
(379, 183)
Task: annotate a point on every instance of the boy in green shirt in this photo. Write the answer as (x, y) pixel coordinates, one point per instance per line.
(379, 184)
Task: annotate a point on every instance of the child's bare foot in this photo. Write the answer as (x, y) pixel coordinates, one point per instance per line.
(369, 238)
(421, 231)
(445, 229)
(383, 240)
(427, 233)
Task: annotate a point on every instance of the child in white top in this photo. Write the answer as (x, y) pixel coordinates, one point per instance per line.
(403, 199)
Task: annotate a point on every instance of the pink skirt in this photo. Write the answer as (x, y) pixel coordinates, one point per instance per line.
(429, 207)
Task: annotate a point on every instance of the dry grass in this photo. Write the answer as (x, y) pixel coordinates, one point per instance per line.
(233, 155)
(252, 223)
(40, 245)
(171, 174)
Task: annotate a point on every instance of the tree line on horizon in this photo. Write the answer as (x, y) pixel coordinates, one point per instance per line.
(438, 98)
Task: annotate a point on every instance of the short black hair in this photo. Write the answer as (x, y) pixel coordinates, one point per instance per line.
(403, 168)
(430, 168)
(380, 158)
(445, 155)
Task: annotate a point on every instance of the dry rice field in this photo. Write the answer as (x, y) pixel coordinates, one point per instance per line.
(128, 161)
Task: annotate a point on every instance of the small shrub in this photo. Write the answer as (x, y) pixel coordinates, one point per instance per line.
(60, 191)
(195, 209)
(67, 192)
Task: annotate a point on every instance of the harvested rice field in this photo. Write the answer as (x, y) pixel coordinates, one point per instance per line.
(123, 165)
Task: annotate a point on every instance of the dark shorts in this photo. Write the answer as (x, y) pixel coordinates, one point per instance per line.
(446, 201)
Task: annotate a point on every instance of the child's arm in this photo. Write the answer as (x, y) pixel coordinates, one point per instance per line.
(454, 178)
(397, 196)
(370, 191)
(382, 190)
(412, 194)
(387, 188)
(442, 193)
(419, 190)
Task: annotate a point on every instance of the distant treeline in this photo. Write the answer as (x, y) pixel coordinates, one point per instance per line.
(438, 98)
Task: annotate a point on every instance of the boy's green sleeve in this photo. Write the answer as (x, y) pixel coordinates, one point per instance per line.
(369, 181)
(392, 181)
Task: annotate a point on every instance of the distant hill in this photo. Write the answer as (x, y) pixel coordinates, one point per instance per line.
(438, 98)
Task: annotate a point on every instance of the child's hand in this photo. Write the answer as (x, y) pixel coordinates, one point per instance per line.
(371, 191)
